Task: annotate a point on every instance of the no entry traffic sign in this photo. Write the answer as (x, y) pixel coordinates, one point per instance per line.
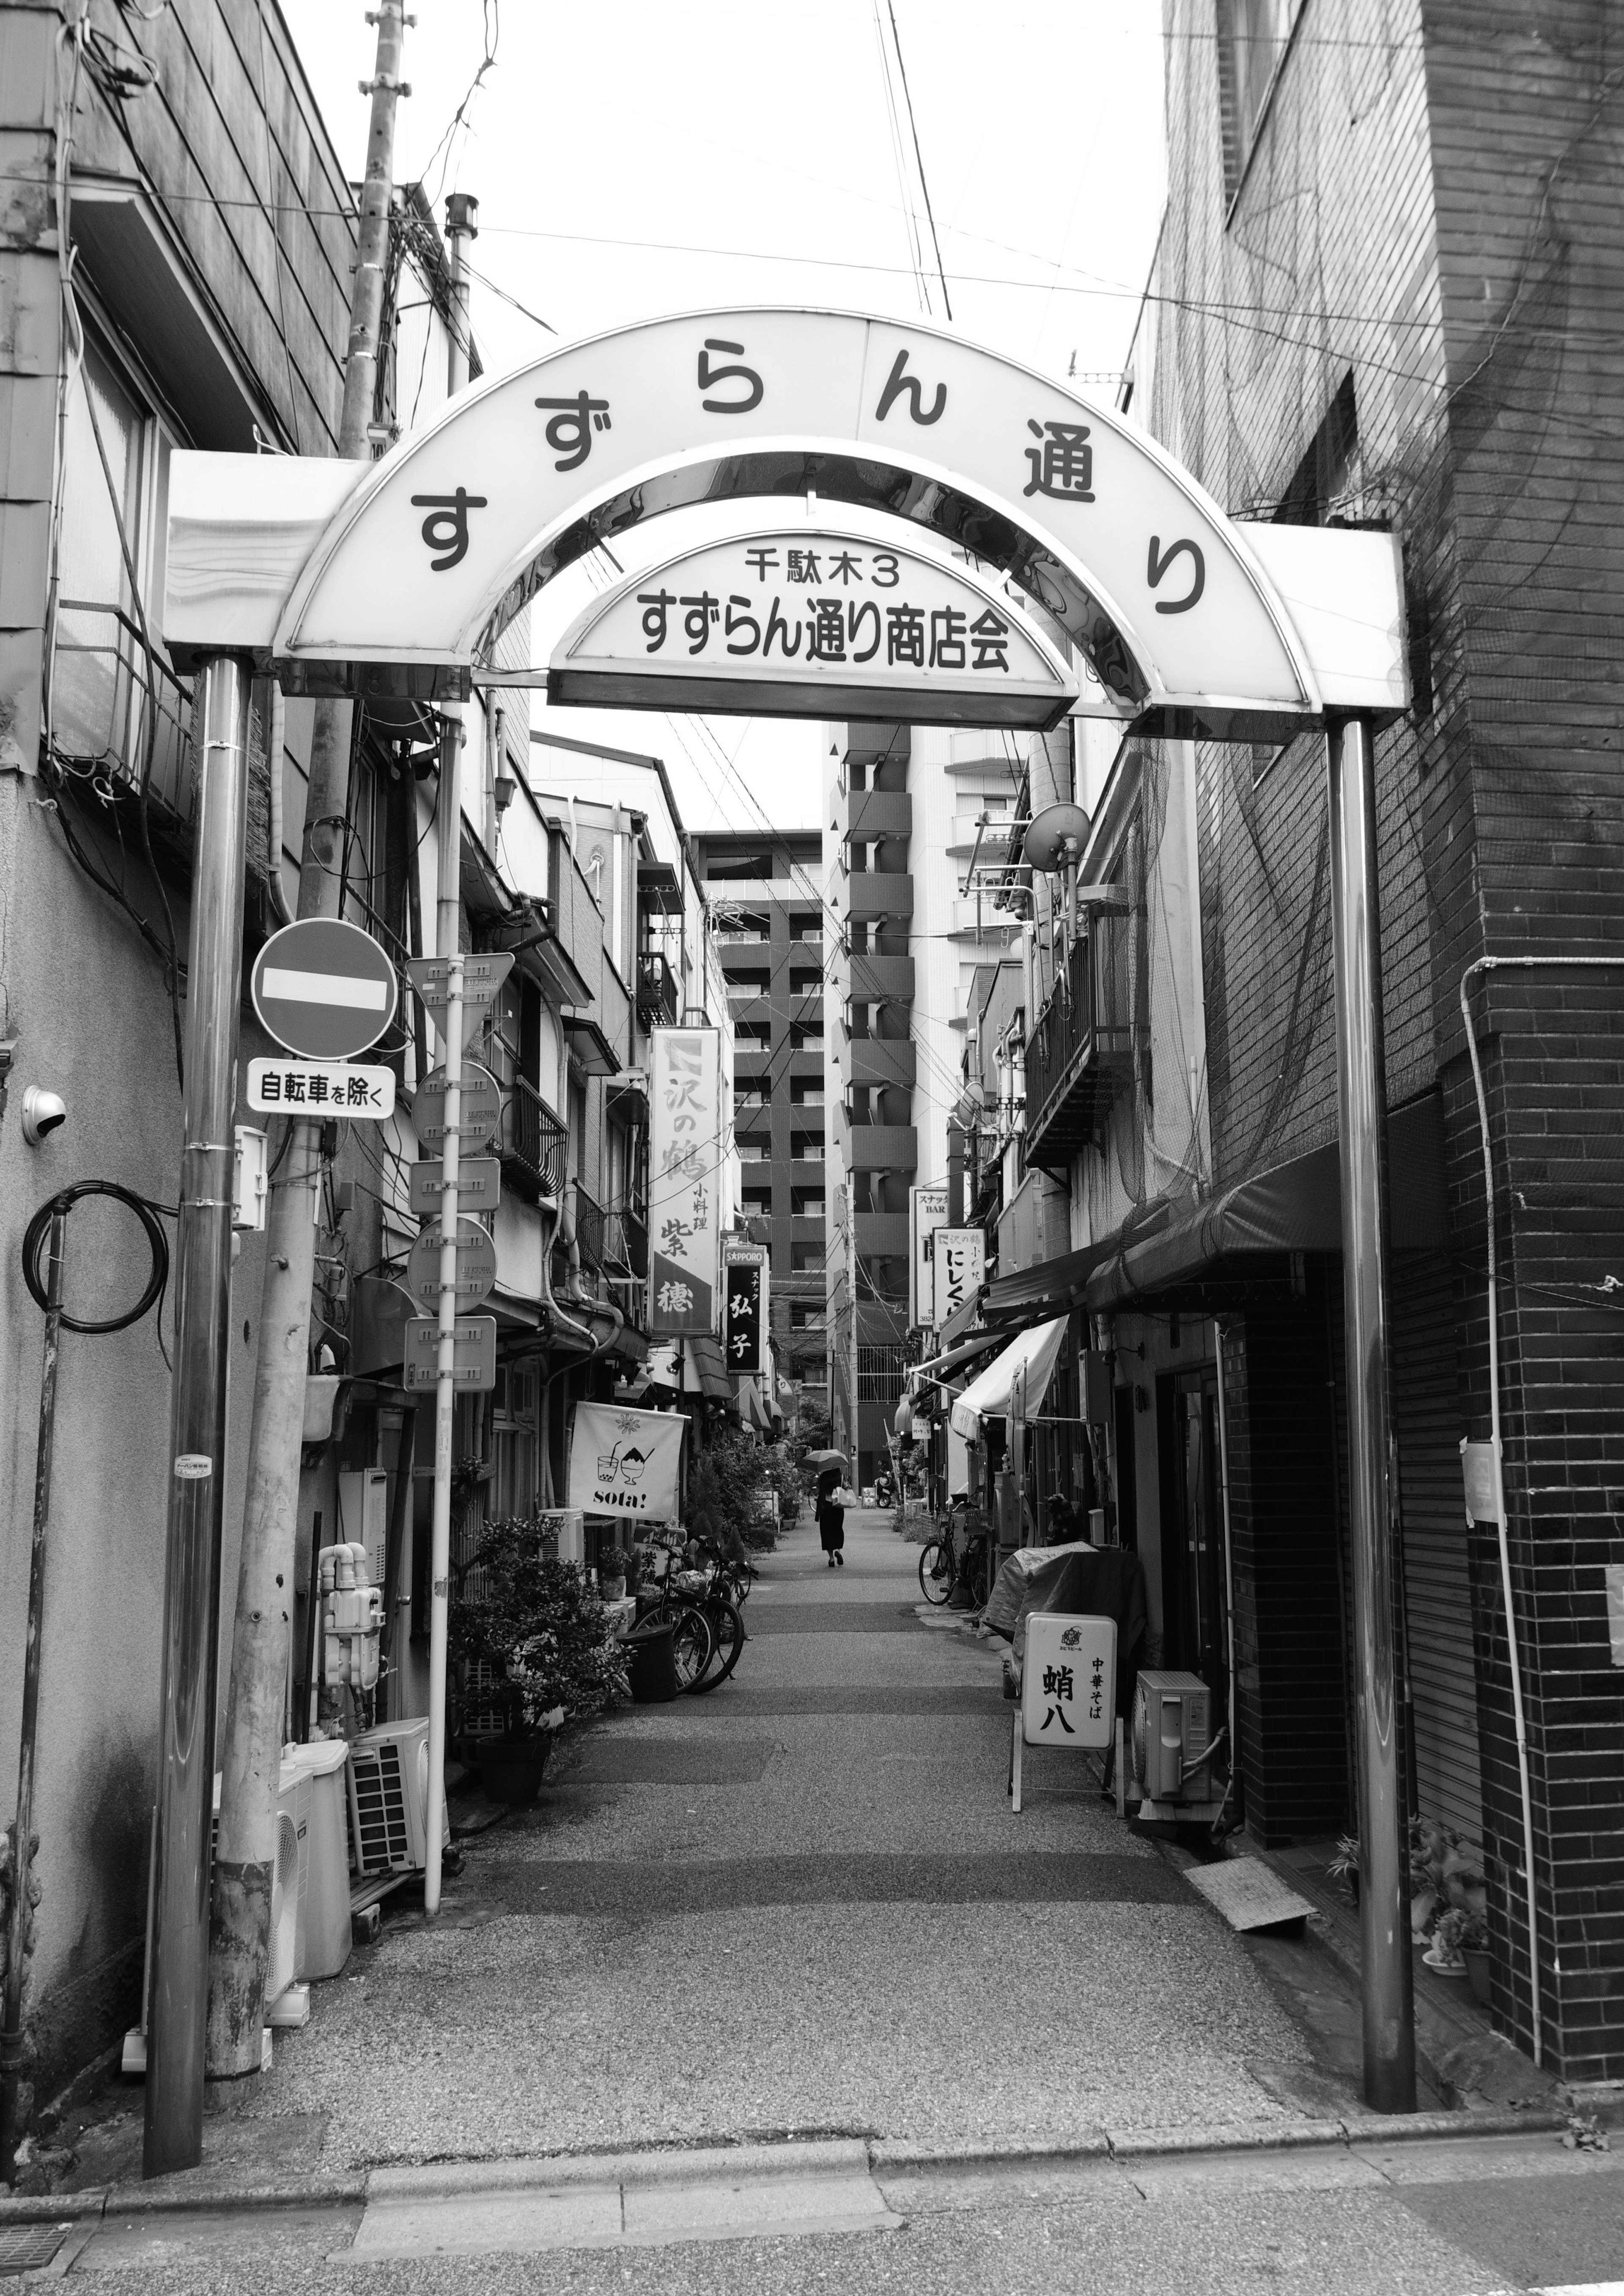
(324, 988)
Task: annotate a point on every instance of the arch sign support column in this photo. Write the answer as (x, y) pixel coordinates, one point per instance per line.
(399, 577)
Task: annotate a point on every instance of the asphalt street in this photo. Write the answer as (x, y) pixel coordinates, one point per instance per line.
(799, 1913)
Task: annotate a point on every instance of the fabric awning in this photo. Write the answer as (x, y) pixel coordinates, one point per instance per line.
(704, 1368)
(1292, 1207)
(987, 1395)
(943, 1365)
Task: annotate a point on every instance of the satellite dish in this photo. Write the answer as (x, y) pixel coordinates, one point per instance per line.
(1055, 837)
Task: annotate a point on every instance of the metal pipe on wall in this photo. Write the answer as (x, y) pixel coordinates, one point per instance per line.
(174, 2129)
(1387, 1981)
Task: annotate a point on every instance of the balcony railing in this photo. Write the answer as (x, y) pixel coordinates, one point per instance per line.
(1080, 1049)
(535, 1143)
(656, 991)
(107, 707)
(588, 1228)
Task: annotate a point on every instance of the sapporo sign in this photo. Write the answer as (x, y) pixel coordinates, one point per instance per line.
(788, 620)
(423, 556)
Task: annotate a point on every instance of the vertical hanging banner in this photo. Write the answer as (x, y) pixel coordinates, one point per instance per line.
(959, 1255)
(685, 1170)
(744, 1325)
(927, 1211)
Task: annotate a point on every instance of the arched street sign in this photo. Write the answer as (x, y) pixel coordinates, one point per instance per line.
(422, 558)
(814, 619)
(324, 988)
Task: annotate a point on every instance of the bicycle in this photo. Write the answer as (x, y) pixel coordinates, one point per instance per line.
(692, 1641)
(957, 1557)
(711, 1592)
(734, 1578)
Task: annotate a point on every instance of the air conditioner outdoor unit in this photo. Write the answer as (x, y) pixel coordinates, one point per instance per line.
(1172, 1735)
(389, 1799)
(568, 1526)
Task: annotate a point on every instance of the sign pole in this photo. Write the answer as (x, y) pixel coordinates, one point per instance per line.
(448, 921)
(178, 2004)
(1388, 1984)
(251, 1757)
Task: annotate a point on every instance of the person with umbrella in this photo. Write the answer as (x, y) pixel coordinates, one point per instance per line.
(830, 1465)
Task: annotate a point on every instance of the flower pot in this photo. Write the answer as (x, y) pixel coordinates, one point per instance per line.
(613, 1590)
(1477, 1971)
(653, 1664)
(511, 1768)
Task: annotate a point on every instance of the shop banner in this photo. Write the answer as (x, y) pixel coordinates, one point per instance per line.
(959, 1257)
(744, 1309)
(685, 1176)
(626, 1463)
(927, 1211)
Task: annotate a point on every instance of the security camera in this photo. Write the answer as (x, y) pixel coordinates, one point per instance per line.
(43, 1112)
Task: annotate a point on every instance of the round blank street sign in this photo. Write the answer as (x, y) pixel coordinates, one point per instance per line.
(476, 1265)
(323, 989)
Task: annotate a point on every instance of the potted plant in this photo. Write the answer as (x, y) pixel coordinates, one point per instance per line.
(1460, 1948)
(1344, 1865)
(540, 1627)
(614, 1574)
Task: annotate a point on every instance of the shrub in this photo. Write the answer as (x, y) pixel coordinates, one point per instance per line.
(538, 1623)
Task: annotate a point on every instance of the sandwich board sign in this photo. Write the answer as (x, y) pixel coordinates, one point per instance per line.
(1068, 1687)
(323, 989)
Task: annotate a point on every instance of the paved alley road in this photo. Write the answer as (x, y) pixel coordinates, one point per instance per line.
(799, 1908)
(799, 1904)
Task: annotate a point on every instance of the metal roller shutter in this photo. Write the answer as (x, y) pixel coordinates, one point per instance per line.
(1437, 1595)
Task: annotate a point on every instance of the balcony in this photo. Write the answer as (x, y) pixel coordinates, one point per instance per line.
(589, 1229)
(108, 707)
(1079, 1053)
(656, 992)
(879, 893)
(534, 1143)
(807, 1147)
(882, 1059)
(877, 980)
(878, 813)
(882, 1235)
(883, 1148)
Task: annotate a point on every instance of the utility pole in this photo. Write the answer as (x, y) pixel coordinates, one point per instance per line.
(245, 1856)
(851, 1299)
(448, 946)
(179, 2001)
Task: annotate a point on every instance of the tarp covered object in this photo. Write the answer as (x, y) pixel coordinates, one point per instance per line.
(987, 1395)
(626, 1463)
(1081, 1581)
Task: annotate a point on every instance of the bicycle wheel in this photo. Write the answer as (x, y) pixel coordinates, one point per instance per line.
(691, 1647)
(743, 1579)
(726, 1641)
(936, 1571)
(977, 1575)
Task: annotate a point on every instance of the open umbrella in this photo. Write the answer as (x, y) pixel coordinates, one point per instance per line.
(826, 1459)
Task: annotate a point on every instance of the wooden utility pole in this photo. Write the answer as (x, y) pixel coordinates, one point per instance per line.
(245, 1857)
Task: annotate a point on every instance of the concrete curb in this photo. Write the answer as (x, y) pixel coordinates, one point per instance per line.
(681, 2164)
(163, 2199)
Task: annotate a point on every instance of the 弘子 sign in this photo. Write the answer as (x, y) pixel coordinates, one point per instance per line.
(626, 1463)
(794, 620)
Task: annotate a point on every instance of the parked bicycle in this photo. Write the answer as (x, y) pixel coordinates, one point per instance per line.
(957, 1557)
(707, 1631)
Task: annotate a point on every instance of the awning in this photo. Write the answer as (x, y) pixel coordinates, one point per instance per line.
(1292, 1207)
(988, 1395)
(588, 1046)
(943, 1365)
(705, 1369)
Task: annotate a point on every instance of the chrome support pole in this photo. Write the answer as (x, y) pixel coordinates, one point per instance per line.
(174, 2134)
(449, 918)
(1384, 1928)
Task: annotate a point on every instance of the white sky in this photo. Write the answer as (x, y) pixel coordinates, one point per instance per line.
(632, 158)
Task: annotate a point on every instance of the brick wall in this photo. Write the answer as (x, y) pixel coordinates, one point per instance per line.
(1434, 207)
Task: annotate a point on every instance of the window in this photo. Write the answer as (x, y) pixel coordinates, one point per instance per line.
(516, 1458)
(807, 1147)
(757, 1201)
(806, 1203)
(752, 1032)
(807, 1259)
(1252, 38)
(809, 1318)
(880, 1371)
(102, 688)
(810, 1032)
